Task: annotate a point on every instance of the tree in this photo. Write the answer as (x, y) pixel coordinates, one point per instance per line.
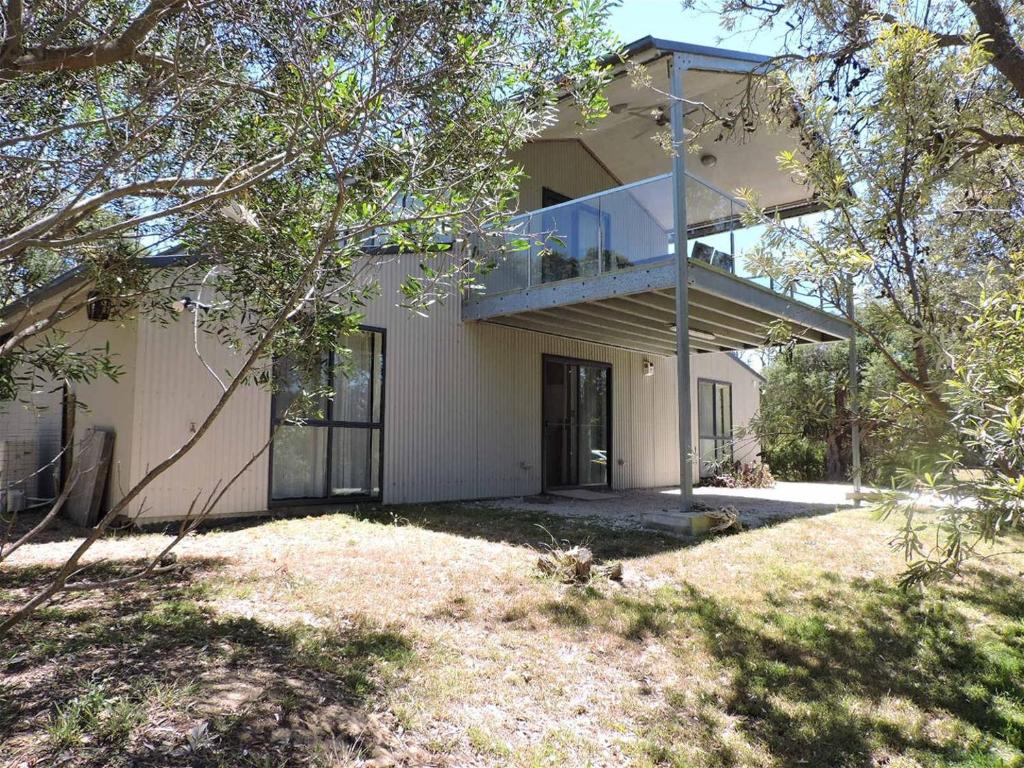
(272, 145)
(803, 424)
(913, 135)
(980, 476)
(805, 419)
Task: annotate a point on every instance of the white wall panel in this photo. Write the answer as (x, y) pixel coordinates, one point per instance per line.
(561, 165)
(463, 405)
(102, 402)
(174, 393)
(746, 398)
(462, 409)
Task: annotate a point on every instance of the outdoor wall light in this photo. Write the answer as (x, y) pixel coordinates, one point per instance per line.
(648, 368)
(708, 161)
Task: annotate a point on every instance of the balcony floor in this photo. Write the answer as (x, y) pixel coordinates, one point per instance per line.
(635, 309)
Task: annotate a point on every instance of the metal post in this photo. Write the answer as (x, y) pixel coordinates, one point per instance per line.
(854, 385)
(676, 69)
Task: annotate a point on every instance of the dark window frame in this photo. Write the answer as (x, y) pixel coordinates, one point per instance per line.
(715, 437)
(549, 197)
(341, 424)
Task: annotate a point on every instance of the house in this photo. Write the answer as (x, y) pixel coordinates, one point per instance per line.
(562, 372)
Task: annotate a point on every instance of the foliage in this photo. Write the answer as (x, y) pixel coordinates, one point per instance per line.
(912, 143)
(980, 483)
(805, 413)
(795, 459)
(805, 417)
(267, 150)
(755, 475)
(132, 129)
(741, 475)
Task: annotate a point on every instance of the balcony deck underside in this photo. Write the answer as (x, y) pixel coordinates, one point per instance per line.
(635, 309)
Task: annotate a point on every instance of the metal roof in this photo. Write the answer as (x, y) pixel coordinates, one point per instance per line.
(664, 46)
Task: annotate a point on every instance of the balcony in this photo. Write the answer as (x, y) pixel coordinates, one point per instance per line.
(625, 228)
(602, 268)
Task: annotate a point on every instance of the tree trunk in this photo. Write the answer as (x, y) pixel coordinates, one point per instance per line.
(834, 468)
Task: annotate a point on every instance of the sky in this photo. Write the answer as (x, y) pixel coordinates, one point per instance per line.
(634, 19)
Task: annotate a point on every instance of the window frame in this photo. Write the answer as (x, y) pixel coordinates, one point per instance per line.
(329, 424)
(578, 361)
(714, 415)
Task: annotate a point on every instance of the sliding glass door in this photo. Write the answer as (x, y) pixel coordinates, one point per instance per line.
(330, 448)
(577, 404)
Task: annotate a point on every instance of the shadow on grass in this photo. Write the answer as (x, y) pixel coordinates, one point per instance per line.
(832, 672)
(825, 681)
(526, 528)
(150, 675)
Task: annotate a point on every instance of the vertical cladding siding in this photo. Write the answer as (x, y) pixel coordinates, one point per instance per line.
(463, 405)
(103, 403)
(462, 410)
(174, 392)
(746, 397)
(562, 165)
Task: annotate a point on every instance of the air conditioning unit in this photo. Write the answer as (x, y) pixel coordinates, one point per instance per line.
(19, 462)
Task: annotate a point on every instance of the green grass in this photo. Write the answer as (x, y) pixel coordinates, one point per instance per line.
(97, 715)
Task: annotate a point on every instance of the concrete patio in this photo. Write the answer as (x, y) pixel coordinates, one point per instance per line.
(646, 508)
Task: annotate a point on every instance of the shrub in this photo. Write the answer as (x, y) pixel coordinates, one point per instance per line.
(796, 460)
(755, 475)
(737, 475)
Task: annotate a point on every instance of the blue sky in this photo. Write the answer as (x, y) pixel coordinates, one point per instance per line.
(634, 19)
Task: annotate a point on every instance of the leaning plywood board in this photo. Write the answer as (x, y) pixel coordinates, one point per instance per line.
(92, 467)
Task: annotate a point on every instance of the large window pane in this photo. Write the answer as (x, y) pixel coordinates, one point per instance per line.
(705, 408)
(300, 455)
(289, 384)
(714, 425)
(355, 455)
(353, 379)
(593, 420)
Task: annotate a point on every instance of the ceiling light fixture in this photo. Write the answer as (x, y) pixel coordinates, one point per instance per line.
(696, 333)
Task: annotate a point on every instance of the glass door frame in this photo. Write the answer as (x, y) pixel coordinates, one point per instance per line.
(567, 361)
(726, 439)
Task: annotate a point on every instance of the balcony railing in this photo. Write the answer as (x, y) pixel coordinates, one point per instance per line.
(619, 229)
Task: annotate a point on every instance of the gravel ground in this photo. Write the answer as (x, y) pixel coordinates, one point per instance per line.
(757, 506)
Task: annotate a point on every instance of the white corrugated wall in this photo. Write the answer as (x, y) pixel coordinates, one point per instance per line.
(462, 410)
(463, 405)
(562, 165)
(174, 392)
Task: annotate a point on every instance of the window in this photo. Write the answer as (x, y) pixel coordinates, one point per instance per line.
(714, 425)
(335, 451)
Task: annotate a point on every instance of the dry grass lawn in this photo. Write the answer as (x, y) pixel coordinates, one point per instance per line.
(431, 639)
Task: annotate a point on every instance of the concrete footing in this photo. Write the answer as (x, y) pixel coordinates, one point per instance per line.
(679, 523)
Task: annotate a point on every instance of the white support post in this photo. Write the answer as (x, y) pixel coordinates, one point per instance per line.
(854, 384)
(676, 68)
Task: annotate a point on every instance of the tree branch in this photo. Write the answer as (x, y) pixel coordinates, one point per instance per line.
(28, 60)
(1007, 54)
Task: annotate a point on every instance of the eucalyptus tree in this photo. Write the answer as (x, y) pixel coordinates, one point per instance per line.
(912, 118)
(268, 145)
